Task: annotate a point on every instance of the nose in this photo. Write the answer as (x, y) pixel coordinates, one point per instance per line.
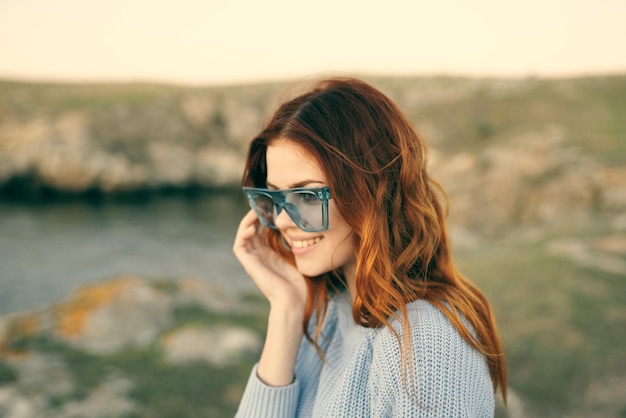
(282, 220)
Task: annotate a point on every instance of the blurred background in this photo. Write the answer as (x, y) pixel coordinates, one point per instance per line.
(123, 132)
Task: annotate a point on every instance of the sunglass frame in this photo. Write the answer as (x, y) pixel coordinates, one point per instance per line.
(279, 200)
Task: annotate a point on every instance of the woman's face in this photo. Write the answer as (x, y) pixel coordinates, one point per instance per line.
(289, 166)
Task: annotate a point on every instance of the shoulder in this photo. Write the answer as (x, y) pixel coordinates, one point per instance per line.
(432, 338)
(439, 368)
(427, 326)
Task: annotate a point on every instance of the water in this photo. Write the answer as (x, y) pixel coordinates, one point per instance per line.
(47, 251)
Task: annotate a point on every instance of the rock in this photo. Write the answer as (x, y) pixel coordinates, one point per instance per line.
(614, 244)
(612, 188)
(107, 317)
(218, 166)
(499, 169)
(218, 346)
(192, 291)
(596, 256)
(128, 138)
(118, 314)
(31, 366)
(40, 377)
(91, 332)
(13, 404)
(534, 180)
(109, 399)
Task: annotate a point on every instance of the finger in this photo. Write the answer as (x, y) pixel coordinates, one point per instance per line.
(249, 219)
(245, 238)
(254, 243)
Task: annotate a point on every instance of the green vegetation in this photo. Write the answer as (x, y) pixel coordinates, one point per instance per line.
(153, 133)
(562, 325)
(470, 113)
(467, 112)
(26, 100)
(7, 374)
(562, 322)
(196, 315)
(162, 390)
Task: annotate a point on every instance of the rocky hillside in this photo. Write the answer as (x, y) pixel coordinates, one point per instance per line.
(131, 347)
(77, 139)
(528, 152)
(535, 171)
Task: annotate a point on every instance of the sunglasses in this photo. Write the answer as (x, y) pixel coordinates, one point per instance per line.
(307, 207)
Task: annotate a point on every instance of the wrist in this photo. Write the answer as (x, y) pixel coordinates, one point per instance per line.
(287, 308)
(284, 335)
(286, 317)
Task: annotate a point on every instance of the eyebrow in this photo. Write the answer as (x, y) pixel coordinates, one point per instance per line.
(302, 183)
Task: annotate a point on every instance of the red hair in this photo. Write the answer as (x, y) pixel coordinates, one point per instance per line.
(375, 165)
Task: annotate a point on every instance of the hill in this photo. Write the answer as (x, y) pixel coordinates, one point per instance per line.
(527, 151)
(535, 171)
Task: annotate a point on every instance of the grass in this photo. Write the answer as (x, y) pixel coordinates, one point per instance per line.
(28, 99)
(588, 110)
(196, 315)
(561, 324)
(467, 112)
(162, 390)
(7, 374)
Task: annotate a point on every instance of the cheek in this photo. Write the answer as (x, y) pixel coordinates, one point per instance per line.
(346, 247)
(336, 222)
(341, 247)
(340, 233)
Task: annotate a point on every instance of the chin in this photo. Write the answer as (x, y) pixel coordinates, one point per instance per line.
(309, 270)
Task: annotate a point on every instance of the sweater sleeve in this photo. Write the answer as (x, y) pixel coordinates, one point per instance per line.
(443, 377)
(261, 400)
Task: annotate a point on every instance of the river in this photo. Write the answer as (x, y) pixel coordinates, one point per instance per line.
(49, 250)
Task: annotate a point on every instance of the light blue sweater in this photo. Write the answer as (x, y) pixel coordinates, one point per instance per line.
(362, 374)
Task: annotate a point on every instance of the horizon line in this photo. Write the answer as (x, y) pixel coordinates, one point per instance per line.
(91, 80)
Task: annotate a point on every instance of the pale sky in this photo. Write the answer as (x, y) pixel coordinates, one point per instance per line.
(232, 41)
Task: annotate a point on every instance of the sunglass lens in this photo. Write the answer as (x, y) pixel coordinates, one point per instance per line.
(308, 210)
(264, 207)
(305, 207)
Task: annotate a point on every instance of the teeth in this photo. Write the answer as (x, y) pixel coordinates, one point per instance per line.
(305, 243)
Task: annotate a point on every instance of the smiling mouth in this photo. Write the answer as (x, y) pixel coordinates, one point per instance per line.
(305, 243)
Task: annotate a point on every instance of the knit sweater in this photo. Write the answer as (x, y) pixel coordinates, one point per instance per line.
(362, 375)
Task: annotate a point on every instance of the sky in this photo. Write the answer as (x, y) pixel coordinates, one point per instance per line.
(240, 41)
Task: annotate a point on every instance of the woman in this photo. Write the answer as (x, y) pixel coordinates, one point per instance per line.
(347, 240)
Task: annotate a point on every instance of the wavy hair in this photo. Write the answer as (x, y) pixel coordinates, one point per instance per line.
(375, 164)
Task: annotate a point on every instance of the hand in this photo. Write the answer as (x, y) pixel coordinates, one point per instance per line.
(279, 281)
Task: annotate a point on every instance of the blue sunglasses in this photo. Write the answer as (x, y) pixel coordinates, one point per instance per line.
(307, 207)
